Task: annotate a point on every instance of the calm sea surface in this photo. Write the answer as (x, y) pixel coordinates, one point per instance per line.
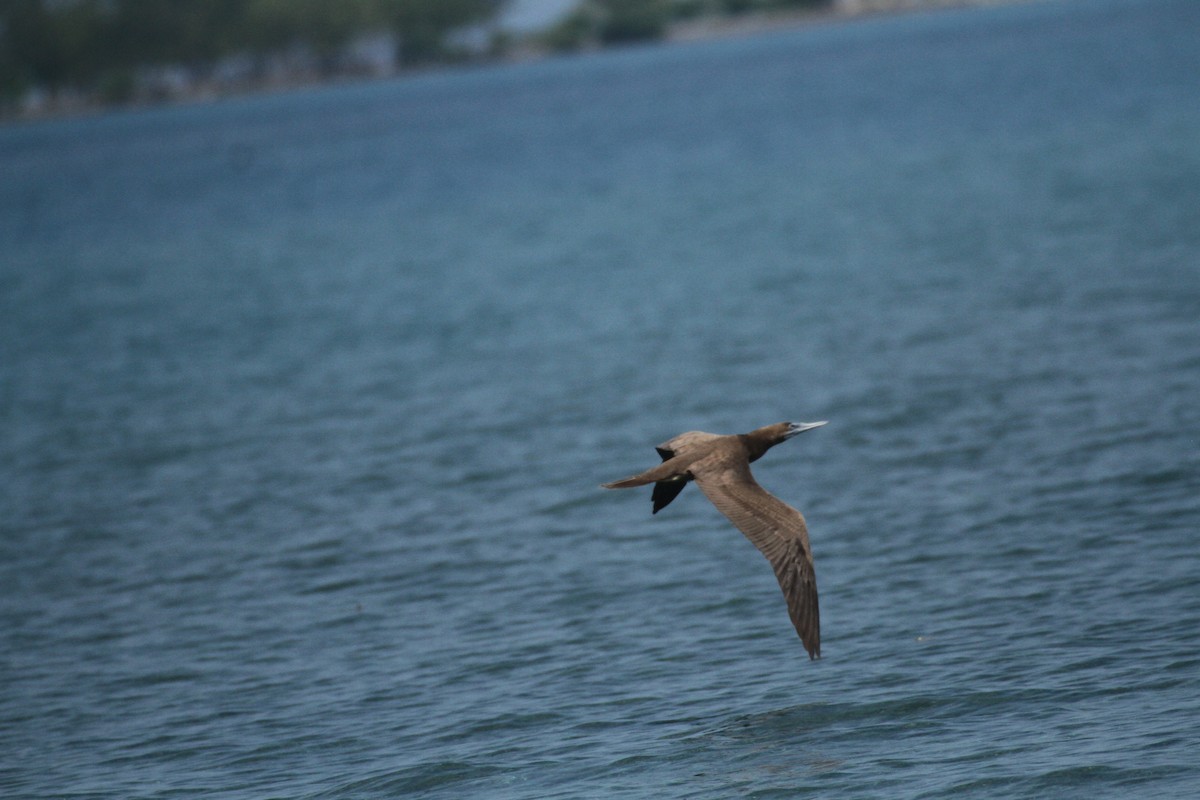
(306, 399)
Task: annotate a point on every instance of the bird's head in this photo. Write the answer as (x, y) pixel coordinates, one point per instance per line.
(761, 440)
(790, 429)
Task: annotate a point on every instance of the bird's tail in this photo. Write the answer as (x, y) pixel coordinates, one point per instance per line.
(628, 483)
(664, 471)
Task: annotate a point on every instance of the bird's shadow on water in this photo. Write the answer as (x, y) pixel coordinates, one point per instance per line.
(804, 745)
(765, 754)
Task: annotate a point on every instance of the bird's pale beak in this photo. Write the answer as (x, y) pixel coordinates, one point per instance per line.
(801, 427)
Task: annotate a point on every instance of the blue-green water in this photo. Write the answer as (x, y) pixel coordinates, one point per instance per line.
(306, 400)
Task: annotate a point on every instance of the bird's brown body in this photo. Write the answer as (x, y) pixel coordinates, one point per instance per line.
(720, 466)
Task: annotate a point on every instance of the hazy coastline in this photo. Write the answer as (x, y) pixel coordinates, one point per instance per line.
(179, 86)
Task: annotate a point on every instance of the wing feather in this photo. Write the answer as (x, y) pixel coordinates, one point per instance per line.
(777, 530)
(664, 492)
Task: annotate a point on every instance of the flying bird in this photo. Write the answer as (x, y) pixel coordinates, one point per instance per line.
(720, 466)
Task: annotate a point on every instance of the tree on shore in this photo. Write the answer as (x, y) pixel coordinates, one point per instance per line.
(604, 22)
(422, 26)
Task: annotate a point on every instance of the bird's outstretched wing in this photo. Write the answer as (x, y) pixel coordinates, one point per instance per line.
(777, 530)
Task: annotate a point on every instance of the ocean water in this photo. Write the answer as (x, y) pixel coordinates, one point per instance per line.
(307, 399)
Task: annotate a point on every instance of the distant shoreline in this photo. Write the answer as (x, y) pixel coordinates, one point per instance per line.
(707, 28)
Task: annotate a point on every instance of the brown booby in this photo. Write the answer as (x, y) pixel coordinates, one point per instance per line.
(720, 466)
